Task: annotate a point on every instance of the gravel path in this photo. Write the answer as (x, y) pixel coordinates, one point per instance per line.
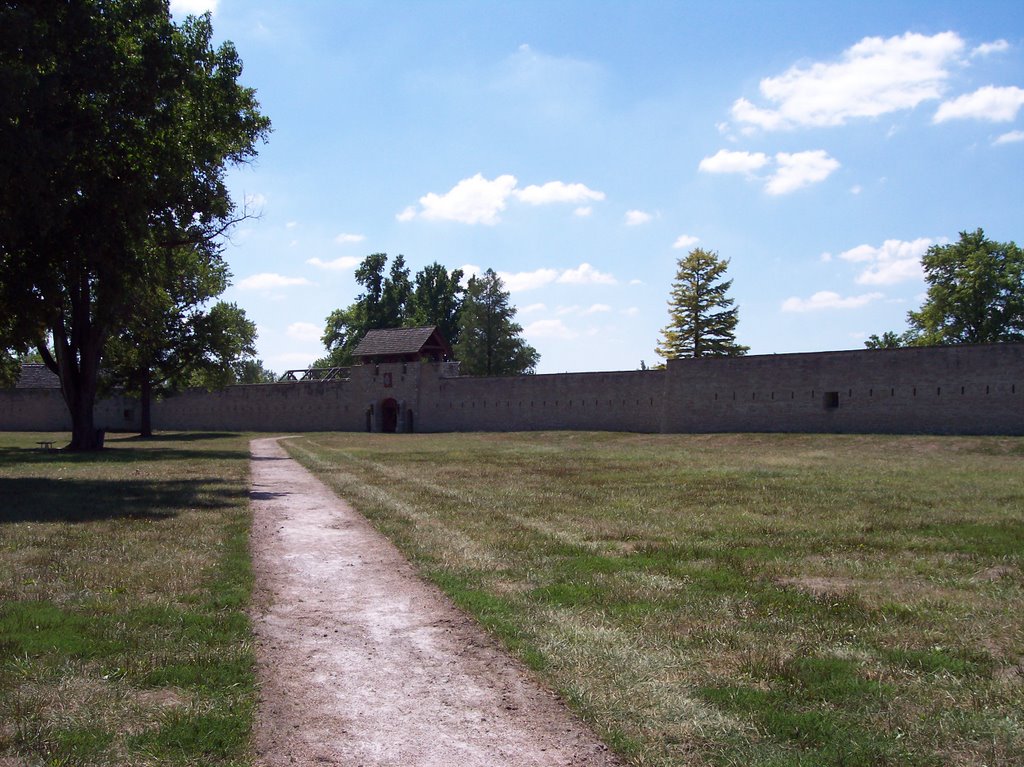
(362, 663)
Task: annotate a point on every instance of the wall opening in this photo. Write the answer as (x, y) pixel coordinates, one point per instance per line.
(389, 416)
(831, 400)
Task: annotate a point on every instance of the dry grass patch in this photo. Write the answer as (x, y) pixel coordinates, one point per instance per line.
(730, 599)
(123, 579)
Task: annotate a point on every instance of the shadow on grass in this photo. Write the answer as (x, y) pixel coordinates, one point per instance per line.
(129, 453)
(33, 499)
(185, 436)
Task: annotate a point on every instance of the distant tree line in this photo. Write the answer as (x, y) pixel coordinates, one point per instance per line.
(478, 320)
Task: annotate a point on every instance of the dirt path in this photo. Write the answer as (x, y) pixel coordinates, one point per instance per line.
(361, 663)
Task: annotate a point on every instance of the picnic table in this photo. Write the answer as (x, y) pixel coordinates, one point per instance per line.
(45, 444)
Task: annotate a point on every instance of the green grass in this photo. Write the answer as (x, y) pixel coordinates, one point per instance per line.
(123, 580)
(730, 599)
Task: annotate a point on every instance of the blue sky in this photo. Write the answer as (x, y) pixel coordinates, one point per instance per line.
(580, 148)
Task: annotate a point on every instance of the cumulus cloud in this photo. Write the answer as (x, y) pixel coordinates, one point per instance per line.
(584, 274)
(550, 329)
(557, 191)
(345, 238)
(792, 170)
(270, 281)
(1010, 138)
(538, 278)
(891, 262)
(637, 217)
(826, 299)
(992, 103)
(304, 331)
(872, 78)
(685, 241)
(478, 200)
(583, 211)
(337, 265)
(726, 161)
(799, 169)
(996, 46)
(473, 200)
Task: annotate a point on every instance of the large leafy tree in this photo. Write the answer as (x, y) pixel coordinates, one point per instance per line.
(174, 340)
(391, 300)
(437, 300)
(116, 129)
(702, 318)
(490, 341)
(975, 293)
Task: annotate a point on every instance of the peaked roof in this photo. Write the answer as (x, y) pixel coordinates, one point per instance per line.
(390, 342)
(37, 376)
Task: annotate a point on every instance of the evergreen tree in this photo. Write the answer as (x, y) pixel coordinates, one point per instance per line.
(489, 338)
(437, 300)
(702, 318)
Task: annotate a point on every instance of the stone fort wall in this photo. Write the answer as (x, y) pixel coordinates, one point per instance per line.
(936, 390)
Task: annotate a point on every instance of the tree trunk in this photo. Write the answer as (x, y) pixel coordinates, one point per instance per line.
(146, 406)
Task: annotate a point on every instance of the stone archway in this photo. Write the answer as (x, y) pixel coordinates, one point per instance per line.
(389, 416)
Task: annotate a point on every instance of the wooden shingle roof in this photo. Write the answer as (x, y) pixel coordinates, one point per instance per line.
(37, 376)
(403, 343)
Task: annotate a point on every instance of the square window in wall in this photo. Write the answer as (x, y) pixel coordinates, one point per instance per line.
(831, 400)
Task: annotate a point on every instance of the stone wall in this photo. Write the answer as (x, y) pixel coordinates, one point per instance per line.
(938, 390)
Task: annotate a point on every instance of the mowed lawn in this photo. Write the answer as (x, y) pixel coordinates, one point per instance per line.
(124, 578)
(730, 599)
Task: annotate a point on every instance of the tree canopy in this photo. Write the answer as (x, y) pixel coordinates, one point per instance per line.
(975, 296)
(433, 297)
(116, 129)
(702, 318)
(490, 341)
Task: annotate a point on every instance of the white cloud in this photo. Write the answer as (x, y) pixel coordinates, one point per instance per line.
(872, 78)
(304, 331)
(991, 103)
(471, 201)
(799, 169)
(632, 311)
(193, 7)
(583, 211)
(1010, 138)
(550, 329)
(338, 265)
(532, 308)
(996, 46)
(585, 274)
(538, 278)
(856, 189)
(254, 200)
(291, 225)
(725, 161)
(344, 238)
(269, 281)
(826, 299)
(685, 241)
(597, 309)
(564, 310)
(557, 191)
(637, 217)
(891, 262)
(478, 200)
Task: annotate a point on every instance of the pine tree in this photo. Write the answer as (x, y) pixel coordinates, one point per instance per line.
(702, 318)
(489, 338)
